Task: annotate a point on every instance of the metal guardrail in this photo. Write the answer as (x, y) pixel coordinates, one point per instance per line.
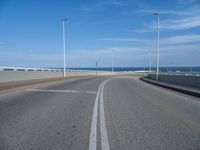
(178, 73)
(41, 69)
(10, 74)
(75, 70)
(28, 69)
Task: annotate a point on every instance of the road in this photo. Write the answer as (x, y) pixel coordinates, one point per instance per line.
(118, 113)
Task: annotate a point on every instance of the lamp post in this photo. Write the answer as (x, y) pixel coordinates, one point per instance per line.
(112, 61)
(64, 48)
(96, 67)
(149, 61)
(158, 44)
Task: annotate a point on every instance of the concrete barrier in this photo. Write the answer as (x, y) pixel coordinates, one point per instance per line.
(183, 80)
(11, 74)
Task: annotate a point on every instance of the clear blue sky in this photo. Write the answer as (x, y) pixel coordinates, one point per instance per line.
(31, 32)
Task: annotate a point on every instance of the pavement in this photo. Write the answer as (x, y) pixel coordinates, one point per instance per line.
(108, 113)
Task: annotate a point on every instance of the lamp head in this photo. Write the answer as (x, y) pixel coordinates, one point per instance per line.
(65, 19)
(157, 13)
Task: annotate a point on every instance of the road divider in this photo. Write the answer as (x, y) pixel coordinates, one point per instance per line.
(103, 129)
(104, 136)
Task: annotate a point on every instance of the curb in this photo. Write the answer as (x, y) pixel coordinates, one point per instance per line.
(172, 87)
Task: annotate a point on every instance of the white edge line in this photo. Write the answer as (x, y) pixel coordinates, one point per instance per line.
(61, 91)
(104, 135)
(91, 92)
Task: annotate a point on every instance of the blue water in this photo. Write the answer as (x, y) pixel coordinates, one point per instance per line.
(162, 69)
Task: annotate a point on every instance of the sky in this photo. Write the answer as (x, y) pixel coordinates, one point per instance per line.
(31, 33)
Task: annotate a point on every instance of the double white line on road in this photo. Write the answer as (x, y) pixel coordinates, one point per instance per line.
(103, 130)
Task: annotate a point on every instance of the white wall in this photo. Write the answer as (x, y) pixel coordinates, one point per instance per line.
(9, 76)
(16, 75)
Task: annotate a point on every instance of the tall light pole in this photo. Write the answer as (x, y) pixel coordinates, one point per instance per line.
(64, 48)
(158, 43)
(149, 61)
(96, 67)
(112, 61)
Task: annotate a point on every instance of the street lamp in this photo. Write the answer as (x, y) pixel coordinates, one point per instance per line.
(64, 48)
(150, 61)
(158, 45)
(96, 67)
(112, 61)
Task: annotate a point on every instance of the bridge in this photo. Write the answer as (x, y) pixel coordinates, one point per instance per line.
(90, 111)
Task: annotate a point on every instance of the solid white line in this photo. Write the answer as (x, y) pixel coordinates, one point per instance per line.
(93, 132)
(91, 92)
(60, 91)
(104, 135)
(103, 130)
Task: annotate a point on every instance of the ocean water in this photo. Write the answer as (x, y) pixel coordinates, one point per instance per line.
(162, 69)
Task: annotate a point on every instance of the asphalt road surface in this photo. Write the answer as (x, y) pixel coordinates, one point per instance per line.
(119, 113)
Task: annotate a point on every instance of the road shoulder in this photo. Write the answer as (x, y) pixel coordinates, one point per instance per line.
(182, 89)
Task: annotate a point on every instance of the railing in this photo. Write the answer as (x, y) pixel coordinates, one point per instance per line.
(177, 73)
(10, 74)
(41, 69)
